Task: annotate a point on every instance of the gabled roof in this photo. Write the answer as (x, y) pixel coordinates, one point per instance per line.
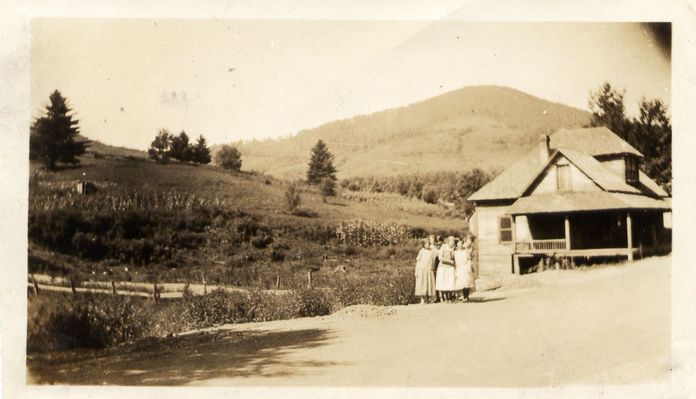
(604, 177)
(649, 185)
(580, 146)
(584, 201)
(593, 141)
(513, 181)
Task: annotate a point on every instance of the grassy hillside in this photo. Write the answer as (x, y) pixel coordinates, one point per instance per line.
(172, 222)
(484, 127)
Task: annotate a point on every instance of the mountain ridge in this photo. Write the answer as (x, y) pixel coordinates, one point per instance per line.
(485, 127)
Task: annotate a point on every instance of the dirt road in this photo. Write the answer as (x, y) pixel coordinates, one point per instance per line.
(608, 325)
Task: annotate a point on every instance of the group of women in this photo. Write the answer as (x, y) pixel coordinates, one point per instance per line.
(446, 272)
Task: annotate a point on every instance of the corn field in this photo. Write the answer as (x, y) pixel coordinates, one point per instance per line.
(160, 200)
(370, 233)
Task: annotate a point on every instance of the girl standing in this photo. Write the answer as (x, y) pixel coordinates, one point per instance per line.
(425, 273)
(444, 278)
(464, 272)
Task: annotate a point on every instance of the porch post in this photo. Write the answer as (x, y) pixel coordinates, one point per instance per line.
(514, 234)
(629, 236)
(567, 233)
(515, 262)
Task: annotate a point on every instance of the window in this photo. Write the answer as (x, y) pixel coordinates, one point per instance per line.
(505, 229)
(563, 177)
(631, 170)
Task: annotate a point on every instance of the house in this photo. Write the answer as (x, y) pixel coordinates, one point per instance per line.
(578, 195)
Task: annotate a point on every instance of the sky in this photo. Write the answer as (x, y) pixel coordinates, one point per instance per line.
(243, 79)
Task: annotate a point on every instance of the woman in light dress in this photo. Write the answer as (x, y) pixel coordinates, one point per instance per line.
(444, 277)
(425, 273)
(465, 275)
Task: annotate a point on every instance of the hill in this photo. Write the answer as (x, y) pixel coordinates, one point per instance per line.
(174, 221)
(484, 127)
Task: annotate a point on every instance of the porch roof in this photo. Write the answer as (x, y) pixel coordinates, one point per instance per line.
(561, 202)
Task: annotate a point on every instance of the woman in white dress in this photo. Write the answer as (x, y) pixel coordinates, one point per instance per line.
(464, 272)
(444, 278)
(425, 273)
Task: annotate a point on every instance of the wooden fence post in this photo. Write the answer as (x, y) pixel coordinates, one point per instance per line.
(72, 286)
(113, 287)
(36, 285)
(309, 279)
(155, 293)
(278, 281)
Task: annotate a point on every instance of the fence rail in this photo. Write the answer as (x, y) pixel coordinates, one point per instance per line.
(157, 291)
(541, 245)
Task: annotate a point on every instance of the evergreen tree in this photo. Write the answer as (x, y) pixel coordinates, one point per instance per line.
(201, 152)
(607, 106)
(161, 146)
(180, 148)
(654, 127)
(320, 164)
(52, 136)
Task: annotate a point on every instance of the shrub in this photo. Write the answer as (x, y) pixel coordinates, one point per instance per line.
(88, 245)
(430, 196)
(327, 187)
(292, 197)
(93, 322)
(261, 241)
(305, 213)
(229, 157)
(394, 289)
(313, 302)
(277, 253)
(217, 308)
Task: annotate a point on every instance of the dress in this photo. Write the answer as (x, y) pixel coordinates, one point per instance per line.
(464, 273)
(425, 273)
(444, 278)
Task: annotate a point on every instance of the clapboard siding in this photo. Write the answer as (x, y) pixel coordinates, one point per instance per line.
(494, 257)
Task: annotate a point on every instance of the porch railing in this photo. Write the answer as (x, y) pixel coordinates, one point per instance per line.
(541, 245)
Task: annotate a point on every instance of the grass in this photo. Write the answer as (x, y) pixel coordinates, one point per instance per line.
(100, 321)
(180, 223)
(183, 223)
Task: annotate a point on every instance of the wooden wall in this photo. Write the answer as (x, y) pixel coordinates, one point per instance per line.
(494, 258)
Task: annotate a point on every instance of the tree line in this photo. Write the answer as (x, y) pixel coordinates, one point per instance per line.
(650, 132)
(166, 146)
(434, 187)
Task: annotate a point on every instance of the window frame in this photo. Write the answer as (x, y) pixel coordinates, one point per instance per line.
(631, 167)
(501, 229)
(568, 181)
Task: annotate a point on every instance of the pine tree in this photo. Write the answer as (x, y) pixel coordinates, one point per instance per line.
(52, 137)
(180, 148)
(201, 152)
(320, 164)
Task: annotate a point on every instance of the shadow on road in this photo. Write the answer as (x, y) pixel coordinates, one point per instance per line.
(181, 360)
(484, 299)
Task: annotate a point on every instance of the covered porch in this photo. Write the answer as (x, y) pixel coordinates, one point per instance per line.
(571, 235)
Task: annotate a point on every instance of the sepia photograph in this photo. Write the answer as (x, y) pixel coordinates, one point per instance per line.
(356, 203)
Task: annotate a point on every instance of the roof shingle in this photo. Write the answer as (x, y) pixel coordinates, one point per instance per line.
(594, 141)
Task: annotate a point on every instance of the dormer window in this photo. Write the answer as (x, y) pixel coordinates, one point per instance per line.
(563, 177)
(631, 170)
